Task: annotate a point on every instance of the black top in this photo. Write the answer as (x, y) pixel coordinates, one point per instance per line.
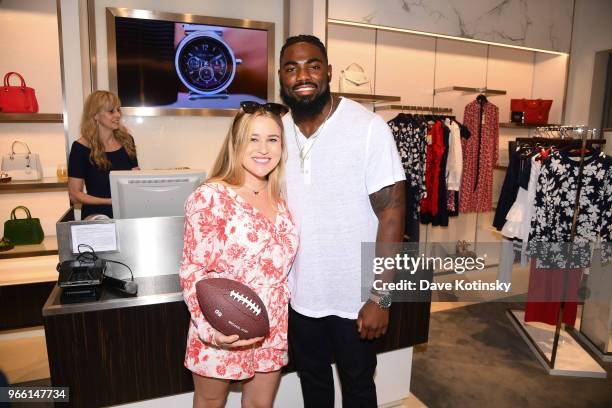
(96, 180)
(509, 189)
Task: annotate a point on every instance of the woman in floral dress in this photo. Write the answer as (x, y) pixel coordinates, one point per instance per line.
(237, 226)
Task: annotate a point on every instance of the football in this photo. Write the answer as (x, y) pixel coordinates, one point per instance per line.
(232, 308)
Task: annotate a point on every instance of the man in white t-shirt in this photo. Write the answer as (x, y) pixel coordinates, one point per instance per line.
(345, 186)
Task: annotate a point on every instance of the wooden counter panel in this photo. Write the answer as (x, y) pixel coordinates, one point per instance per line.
(119, 355)
(22, 305)
(127, 354)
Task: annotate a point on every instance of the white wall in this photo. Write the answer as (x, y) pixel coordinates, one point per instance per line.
(592, 33)
(30, 46)
(549, 78)
(301, 17)
(308, 17)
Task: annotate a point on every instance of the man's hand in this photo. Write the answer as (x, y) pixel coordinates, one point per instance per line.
(372, 321)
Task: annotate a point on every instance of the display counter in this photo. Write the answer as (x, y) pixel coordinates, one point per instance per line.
(118, 349)
(25, 285)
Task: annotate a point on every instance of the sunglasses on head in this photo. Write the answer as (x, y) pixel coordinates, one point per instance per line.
(252, 107)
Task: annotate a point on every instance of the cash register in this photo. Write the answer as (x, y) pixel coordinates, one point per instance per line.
(81, 280)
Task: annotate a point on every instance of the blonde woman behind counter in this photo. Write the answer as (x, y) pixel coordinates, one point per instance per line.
(104, 145)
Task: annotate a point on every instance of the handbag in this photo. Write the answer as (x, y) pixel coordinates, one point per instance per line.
(22, 166)
(535, 111)
(354, 79)
(23, 231)
(17, 99)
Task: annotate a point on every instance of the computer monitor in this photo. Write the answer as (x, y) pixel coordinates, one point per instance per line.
(152, 193)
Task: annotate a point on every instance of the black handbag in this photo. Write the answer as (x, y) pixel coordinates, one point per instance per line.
(23, 231)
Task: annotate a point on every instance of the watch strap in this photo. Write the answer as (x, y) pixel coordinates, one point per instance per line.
(190, 28)
(380, 292)
(383, 301)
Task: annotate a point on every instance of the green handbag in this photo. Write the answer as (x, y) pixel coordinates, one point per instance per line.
(23, 231)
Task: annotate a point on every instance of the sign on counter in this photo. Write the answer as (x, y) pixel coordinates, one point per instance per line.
(101, 237)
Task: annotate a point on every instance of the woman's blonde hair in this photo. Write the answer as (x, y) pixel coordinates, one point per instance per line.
(228, 165)
(97, 102)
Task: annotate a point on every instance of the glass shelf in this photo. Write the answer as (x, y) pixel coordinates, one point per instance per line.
(368, 98)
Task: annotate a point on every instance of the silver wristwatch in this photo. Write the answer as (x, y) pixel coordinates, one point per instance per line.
(382, 299)
(204, 62)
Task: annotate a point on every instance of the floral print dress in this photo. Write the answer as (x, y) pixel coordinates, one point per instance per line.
(411, 142)
(551, 222)
(480, 155)
(227, 237)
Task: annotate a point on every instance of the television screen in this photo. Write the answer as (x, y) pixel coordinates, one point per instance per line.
(165, 63)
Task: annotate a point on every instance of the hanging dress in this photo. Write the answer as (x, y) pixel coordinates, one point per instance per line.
(480, 154)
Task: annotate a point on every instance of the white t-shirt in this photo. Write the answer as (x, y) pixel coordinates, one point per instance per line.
(353, 156)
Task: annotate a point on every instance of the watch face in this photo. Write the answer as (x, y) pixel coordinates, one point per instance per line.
(385, 301)
(205, 64)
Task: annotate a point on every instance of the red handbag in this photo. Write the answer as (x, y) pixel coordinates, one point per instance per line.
(17, 99)
(535, 111)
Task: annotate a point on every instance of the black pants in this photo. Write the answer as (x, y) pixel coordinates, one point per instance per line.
(312, 343)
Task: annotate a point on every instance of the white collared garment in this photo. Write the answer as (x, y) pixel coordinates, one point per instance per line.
(352, 157)
(454, 165)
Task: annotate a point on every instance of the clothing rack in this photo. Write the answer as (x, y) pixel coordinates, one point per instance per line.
(565, 139)
(561, 142)
(432, 109)
(565, 131)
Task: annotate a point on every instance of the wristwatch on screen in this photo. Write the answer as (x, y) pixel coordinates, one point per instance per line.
(204, 62)
(381, 298)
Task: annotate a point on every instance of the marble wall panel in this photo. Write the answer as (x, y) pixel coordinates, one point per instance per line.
(542, 24)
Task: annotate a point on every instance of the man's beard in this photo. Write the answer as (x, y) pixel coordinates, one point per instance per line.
(303, 108)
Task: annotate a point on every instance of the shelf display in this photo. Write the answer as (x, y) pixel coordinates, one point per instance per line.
(17, 99)
(364, 98)
(31, 118)
(22, 166)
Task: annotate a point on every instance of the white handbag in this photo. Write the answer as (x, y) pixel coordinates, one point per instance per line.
(22, 166)
(354, 79)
